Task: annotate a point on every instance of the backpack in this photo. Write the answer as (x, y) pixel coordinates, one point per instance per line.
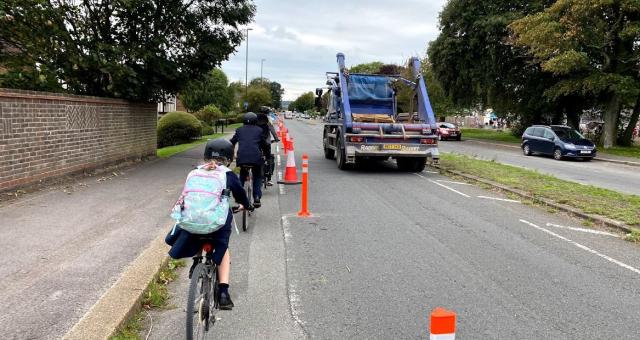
(203, 206)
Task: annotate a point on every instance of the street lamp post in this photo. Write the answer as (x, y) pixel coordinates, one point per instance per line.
(261, 65)
(246, 68)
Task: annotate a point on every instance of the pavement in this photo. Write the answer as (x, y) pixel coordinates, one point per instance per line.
(384, 248)
(62, 248)
(614, 176)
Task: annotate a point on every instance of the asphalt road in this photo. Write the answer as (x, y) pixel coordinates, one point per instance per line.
(619, 177)
(385, 247)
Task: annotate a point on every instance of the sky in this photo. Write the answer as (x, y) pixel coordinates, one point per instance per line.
(300, 39)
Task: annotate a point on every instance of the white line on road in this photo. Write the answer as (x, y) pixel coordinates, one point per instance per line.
(444, 186)
(430, 172)
(610, 259)
(590, 231)
(499, 199)
(452, 182)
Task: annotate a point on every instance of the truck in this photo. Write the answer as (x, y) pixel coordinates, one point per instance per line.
(362, 122)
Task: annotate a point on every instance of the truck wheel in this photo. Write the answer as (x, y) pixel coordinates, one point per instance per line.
(328, 153)
(341, 158)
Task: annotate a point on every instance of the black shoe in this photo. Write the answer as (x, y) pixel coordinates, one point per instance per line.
(256, 203)
(224, 301)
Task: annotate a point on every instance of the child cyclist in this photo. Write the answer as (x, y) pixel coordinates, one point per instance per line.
(217, 153)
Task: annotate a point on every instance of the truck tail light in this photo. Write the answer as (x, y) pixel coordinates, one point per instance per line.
(356, 139)
(430, 141)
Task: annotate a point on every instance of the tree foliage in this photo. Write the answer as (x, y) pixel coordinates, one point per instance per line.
(209, 114)
(371, 68)
(304, 102)
(592, 46)
(476, 65)
(212, 89)
(274, 88)
(257, 96)
(138, 49)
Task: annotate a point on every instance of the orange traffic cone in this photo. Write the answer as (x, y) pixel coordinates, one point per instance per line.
(290, 173)
(443, 324)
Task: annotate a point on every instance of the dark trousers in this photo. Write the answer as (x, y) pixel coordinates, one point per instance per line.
(256, 172)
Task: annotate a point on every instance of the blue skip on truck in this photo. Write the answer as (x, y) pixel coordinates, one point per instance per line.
(362, 121)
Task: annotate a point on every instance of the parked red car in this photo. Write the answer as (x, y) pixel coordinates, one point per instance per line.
(449, 131)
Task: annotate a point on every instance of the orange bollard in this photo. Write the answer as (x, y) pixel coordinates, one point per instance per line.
(304, 209)
(443, 324)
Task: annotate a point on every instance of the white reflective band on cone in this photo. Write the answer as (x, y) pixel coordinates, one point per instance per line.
(442, 336)
(291, 161)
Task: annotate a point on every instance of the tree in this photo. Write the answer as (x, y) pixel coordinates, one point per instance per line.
(476, 65)
(138, 49)
(276, 94)
(236, 88)
(304, 102)
(257, 96)
(274, 88)
(209, 114)
(371, 68)
(212, 89)
(593, 46)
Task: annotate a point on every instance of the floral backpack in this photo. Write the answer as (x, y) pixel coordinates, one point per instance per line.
(203, 206)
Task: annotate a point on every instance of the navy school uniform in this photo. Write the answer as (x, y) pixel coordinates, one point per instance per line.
(251, 141)
(184, 244)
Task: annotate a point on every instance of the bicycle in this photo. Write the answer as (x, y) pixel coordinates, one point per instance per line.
(248, 188)
(268, 167)
(202, 302)
(202, 299)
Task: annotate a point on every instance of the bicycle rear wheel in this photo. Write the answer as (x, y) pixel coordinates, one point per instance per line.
(199, 304)
(245, 214)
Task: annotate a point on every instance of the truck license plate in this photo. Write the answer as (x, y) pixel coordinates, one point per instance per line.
(392, 147)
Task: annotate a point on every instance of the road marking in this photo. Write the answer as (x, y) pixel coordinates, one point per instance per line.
(590, 231)
(499, 199)
(610, 259)
(452, 182)
(444, 186)
(430, 172)
(294, 299)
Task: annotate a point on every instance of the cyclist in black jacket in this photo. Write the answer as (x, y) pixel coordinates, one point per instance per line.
(251, 143)
(268, 130)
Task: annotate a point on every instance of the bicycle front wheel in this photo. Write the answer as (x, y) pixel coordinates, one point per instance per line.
(199, 304)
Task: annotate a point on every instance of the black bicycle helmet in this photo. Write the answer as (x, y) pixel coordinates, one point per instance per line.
(250, 118)
(265, 109)
(218, 148)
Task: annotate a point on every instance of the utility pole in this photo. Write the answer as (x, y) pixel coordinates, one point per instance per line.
(246, 67)
(261, 65)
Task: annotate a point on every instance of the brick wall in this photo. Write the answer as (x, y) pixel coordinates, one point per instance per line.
(46, 135)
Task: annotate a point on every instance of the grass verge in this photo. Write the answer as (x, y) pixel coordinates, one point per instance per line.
(155, 296)
(489, 134)
(507, 137)
(589, 199)
(169, 151)
(634, 236)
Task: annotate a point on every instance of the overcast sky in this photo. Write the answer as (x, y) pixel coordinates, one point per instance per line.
(300, 39)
